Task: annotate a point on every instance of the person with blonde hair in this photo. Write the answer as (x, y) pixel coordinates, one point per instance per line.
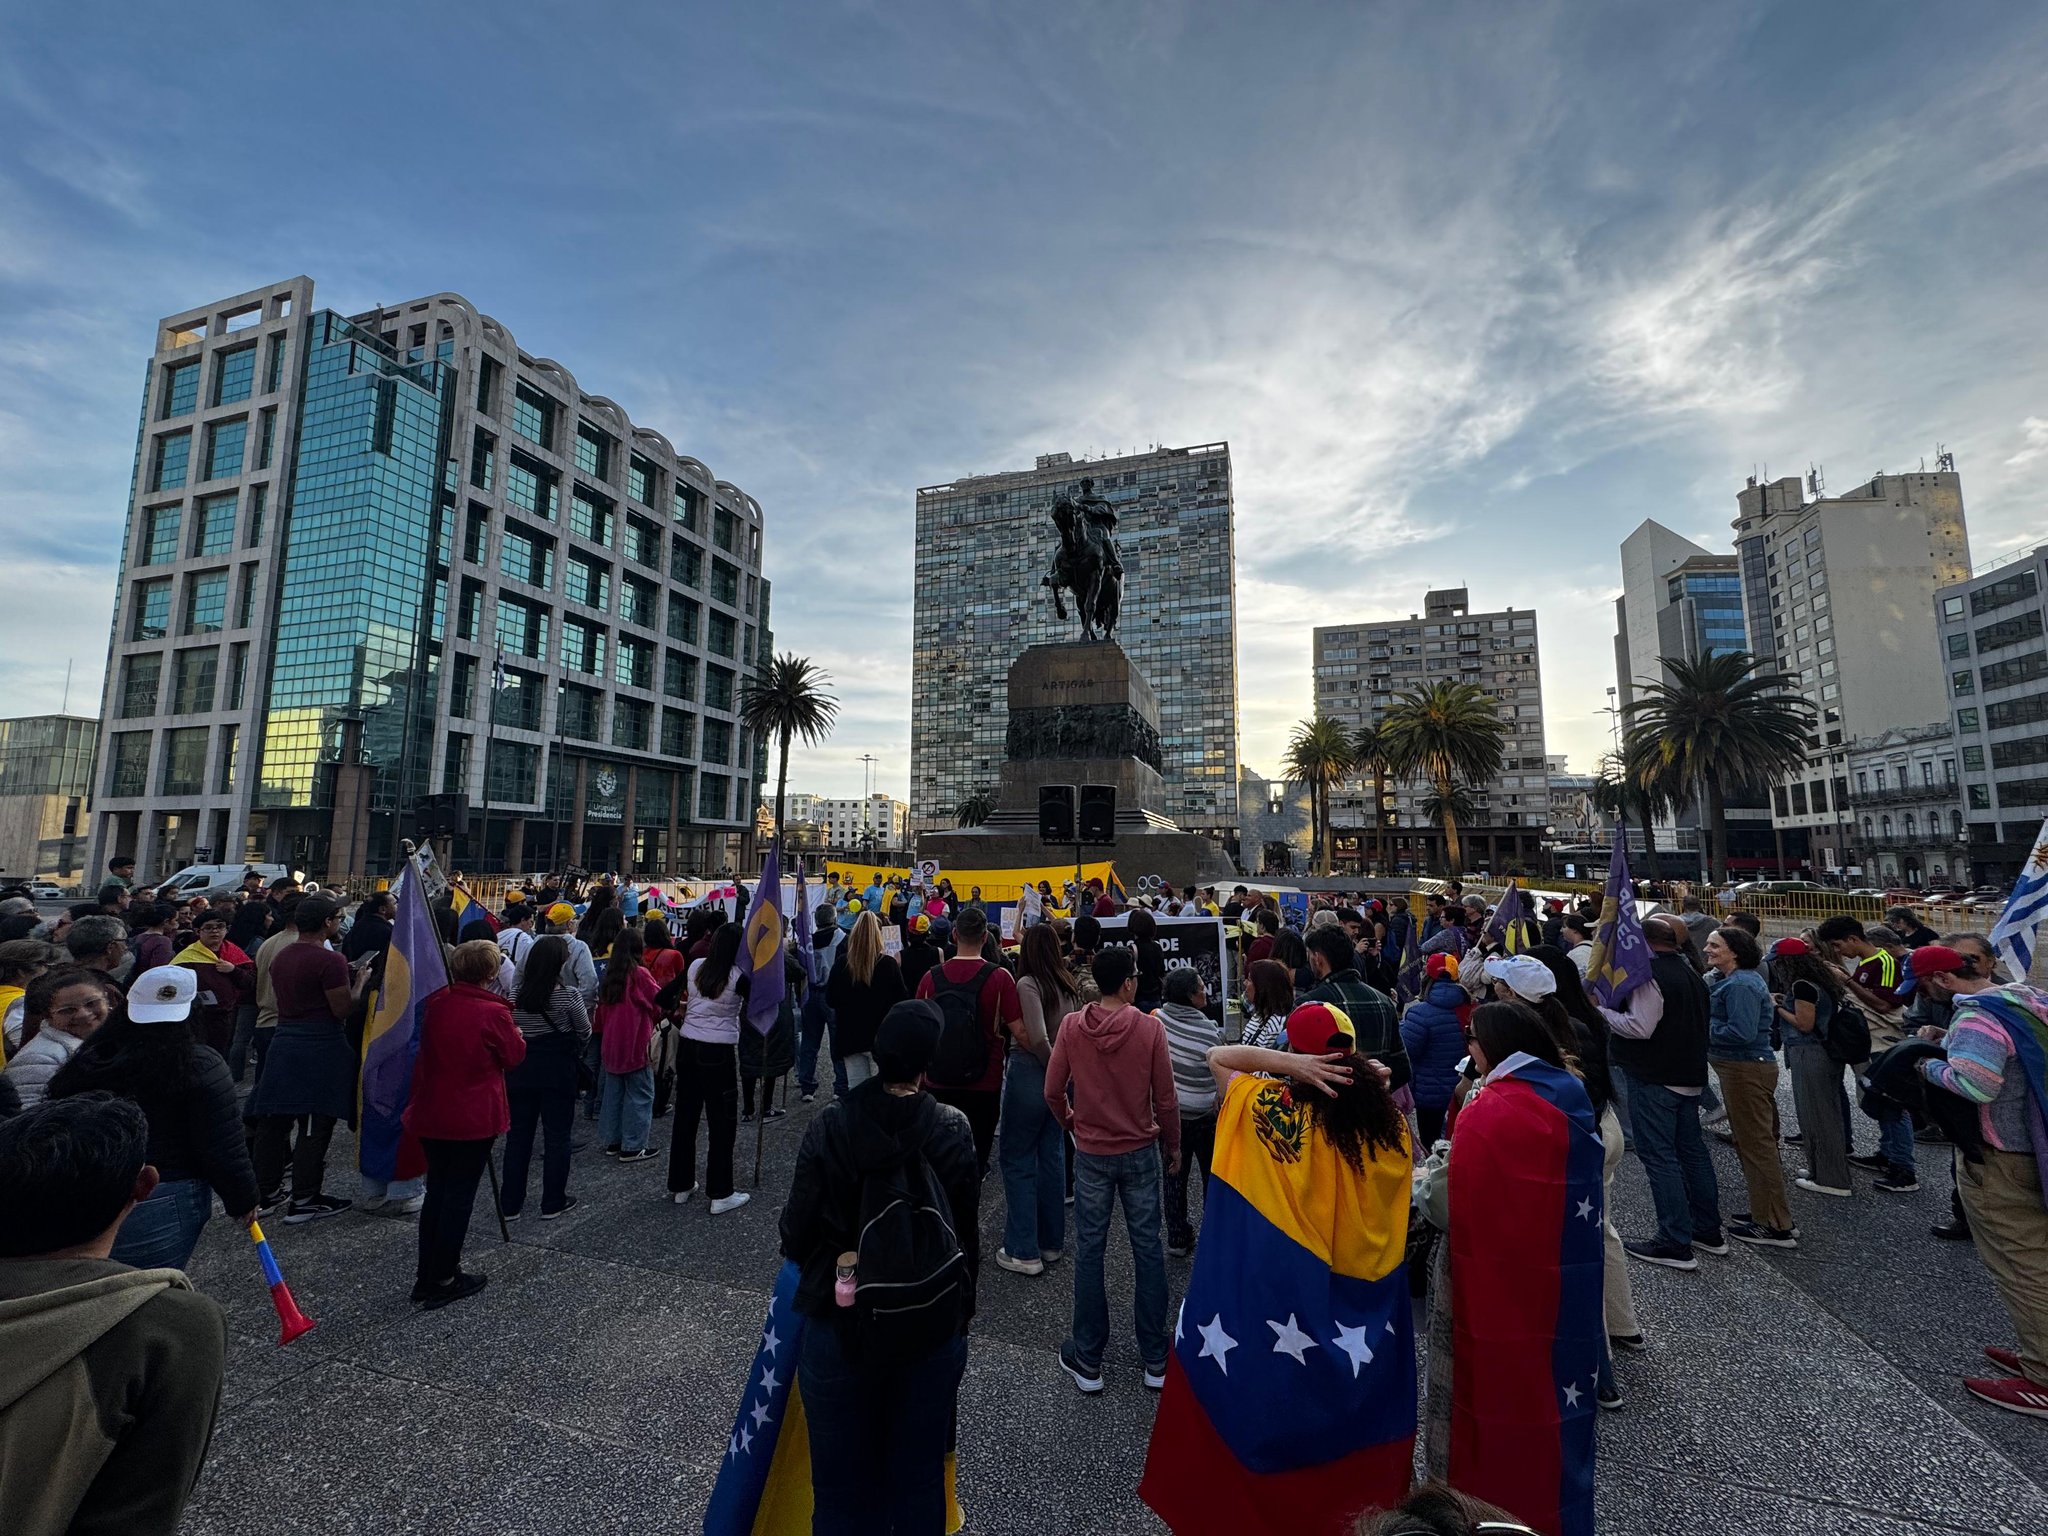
(864, 985)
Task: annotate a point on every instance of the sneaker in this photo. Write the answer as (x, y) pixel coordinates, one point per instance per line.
(1088, 1381)
(1714, 1242)
(2015, 1394)
(1610, 1397)
(511, 1215)
(455, 1290)
(1757, 1235)
(1155, 1377)
(2005, 1359)
(1670, 1255)
(747, 1118)
(613, 1150)
(1019, 1266)
(1813, 1188)
(411, 1205)
(775, 1114)
(1951, 1231)
(1900, 1181)
(299, 1212)
(730, 1202)
(1794, 1138)
(568, 1205)
(1934, 1135)
(265, 1204)
(1872, 1162)
(682, 1196)
(808, 1096)
(1180, 1247)
(1050, 1256)
(1633, 1342)
(644, 1155)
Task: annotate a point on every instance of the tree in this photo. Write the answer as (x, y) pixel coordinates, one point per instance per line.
(1369, 757)
(1446, 734)
(1621, 790)
(1715, 721)
(1460, 805)
(787, 700)
(1319, 756)
(975, 807)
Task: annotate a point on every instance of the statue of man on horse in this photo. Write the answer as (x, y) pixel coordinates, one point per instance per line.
(1087, 564)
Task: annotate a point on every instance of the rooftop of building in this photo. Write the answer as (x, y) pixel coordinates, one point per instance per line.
(1065, 465)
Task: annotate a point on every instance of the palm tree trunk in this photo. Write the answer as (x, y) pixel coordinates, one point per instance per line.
(1323, 861)
(1650, 857)
(1454, 854)
(782, 784)
(1717, 830)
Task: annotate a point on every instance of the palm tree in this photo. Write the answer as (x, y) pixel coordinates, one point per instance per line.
(1446, 734)
(1369, 756)
(1715, 721)
(1319, 755)
(1623, 791)
(975, 807)
(1460, 805)
(787, 700)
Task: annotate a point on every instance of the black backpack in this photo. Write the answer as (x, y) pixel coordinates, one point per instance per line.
(1847, 1037)
(961, 1059)
(910, 1287)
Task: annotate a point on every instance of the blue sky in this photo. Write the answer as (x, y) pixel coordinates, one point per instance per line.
(1469, 289)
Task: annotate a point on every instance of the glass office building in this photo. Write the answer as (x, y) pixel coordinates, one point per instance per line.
(983, 543)
(384, 573)
(45, 787)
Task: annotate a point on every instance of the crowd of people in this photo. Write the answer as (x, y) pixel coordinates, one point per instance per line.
(1458, 1094)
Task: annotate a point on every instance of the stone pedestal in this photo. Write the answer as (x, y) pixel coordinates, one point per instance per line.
(1081, 713)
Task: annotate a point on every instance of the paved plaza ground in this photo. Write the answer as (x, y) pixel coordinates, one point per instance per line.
(590, 1388)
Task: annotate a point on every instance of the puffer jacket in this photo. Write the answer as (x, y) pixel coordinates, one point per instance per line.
(1433, 1030)
(32, 1067)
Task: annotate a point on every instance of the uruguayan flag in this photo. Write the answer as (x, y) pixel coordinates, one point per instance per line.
(2012, 936)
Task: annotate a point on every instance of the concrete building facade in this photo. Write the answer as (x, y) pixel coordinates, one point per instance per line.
(878, 822)
(46, 797)
(1905, 804)
(982, 544)
(377, 559)
(1994, 659)
(1360, 669)
(1836, 592)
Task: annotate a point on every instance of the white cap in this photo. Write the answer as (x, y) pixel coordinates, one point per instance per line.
(1526, 976)
(162, 995)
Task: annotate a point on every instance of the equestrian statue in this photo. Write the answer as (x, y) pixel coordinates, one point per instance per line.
(1087, 564)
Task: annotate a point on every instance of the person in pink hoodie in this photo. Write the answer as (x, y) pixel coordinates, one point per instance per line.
(1124, 1109)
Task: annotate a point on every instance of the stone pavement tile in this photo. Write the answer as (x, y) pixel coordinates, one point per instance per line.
(1758, 1409)
(2022, 1440)
(1659, 1502)
(1930, 1309)
(1741, 1293)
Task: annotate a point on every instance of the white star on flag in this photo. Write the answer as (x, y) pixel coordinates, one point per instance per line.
(769, 1380)
(769, 1341)
(1352, 1342)
(1216, 1344)
(1180, 1312)
(1571, 1395)
(746, 1440)
(760, 1415)
(1390, 1325)
(732, 1446)
(1290, 1340)
(1586, 1209)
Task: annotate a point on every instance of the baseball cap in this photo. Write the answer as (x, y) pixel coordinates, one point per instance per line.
(1442, 963)
(1314, 1028)
(162, 995)
(1793, 945)
(920, 924)
(561, 912)
(1935, 960)
(1527, 977)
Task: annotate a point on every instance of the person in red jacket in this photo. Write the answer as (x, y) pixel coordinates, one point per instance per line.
(457, 1109)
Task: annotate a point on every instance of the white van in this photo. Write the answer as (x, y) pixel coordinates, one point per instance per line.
(211, 879)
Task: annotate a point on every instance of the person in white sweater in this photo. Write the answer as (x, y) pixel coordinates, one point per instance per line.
(70, 1004)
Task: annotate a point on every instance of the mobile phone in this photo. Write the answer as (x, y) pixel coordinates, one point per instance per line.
(1464, 1066)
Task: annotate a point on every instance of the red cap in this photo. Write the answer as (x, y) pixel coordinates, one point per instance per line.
(1314, 1028)
(1442, 963)
(1935, 960)
(1791, 947)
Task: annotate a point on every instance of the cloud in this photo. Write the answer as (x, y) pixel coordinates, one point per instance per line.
(2034, 442)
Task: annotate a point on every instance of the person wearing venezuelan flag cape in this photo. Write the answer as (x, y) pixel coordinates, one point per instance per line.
(1527, 1267)
(1289, 1398)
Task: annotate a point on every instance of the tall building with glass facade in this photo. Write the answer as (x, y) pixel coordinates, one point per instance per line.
(982, 544)
(1677, 599)
(45, 795)
(375, 559)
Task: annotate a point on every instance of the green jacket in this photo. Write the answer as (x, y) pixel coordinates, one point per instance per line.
(1372, 1015)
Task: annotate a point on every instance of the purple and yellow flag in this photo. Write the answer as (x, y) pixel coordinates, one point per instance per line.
(763, 945)
(1621, 955)
(413, 968)
(1290, 1393)
(1514, 921)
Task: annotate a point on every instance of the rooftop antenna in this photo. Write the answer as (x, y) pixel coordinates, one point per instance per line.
(1815, 484)
(65, 707)
(1944, 461)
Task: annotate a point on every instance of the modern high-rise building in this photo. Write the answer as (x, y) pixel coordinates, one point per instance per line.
(1837, 592)
(1677, 599)
(982, 545)
(372, 561)
(45, 796)
(1995, 662)
(1360, 669)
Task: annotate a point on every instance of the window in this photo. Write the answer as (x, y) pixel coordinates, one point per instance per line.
(725, 530)
(2018, 711)
(1927, 773)
(1973, 759)
(679, 676)
(1958, 647)
(633, 662)
(487, 371)
(711, 796)
(1779, 804)
(533, 416)
(1962, 682)
(643, 543)
(1993, 637)
(230, 754)
(180, 392)
(482, 447)
(140, 676)
(462, 687)
(1999, 594)
(1798, 799)
(588, 582)
(1862, 782)
(685, 505)
(2020, 669)
(527, 556)
(593, 451)
(245, 597)
(172, 458)
(511, 769)
(152, 610)
(583, 647)
(238, 674)
(2019, 754)
(719, 634)
(128, 775)
(1819, 790)
(214, 517)
(718, 683)
(1966, 719)
(725, 583)
(678, 733)
(234, 376)
(641, 479)
(476, 534)
(579, 713)
(455, 765)
(686, 563)
(160, 535)
(193, 680)
(1952, 608)
(590, 515)
(259, 500)
(469, 611)
(531, 485)
(224, 442)
(631, 720)
(522, 627)
(638, 600)
(273, 365)
(184, 770)
(717, 742)
(1980, 797)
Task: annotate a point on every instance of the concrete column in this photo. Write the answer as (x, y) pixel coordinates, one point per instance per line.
(576, 812)
(515, 844)
(626, 827)
(672, 849)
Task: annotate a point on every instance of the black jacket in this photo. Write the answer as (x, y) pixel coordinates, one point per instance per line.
(1675, 1055)
(195, 1129)
(857, 1010)
(872, 1128)
(249, 926)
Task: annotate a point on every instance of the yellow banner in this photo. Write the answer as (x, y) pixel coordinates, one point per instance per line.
(999, 885)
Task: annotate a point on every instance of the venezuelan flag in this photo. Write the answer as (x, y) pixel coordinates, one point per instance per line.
(1290, 1394)
(473, 919)
(413, 968)
(764, 1480)
(1525, 1182)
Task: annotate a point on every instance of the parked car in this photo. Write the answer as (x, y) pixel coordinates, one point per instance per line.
(1796, 888)
(1870, 891)
(45, 890)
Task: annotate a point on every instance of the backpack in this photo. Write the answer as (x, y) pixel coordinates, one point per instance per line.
(1847, 1038)
(961, 1059)
(909, 1283)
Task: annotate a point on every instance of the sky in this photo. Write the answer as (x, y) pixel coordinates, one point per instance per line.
(1470, 289)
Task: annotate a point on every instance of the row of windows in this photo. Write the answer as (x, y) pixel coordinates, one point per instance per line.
(181, 765)
(205, 609)
(2002, 593)
(212, 530)
(226, 451)
(194, 682)
(234, 378)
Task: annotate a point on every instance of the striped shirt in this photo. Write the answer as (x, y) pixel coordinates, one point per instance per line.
(1982, 1067)
(1189, 1035)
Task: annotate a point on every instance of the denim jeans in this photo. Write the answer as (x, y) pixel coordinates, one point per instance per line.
(541, 1092)
(1034, 1162)
(879, 1428)
(628, 1109)
(814, 1029)
(1895, 1140)
(1098, 1181)
(245, 1035)
(1674, 1156)
(390, 1189)
(162, 1231)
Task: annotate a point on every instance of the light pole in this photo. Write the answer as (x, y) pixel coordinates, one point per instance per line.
(867, 807)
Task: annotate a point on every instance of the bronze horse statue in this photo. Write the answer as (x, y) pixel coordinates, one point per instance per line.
(1087, 564)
